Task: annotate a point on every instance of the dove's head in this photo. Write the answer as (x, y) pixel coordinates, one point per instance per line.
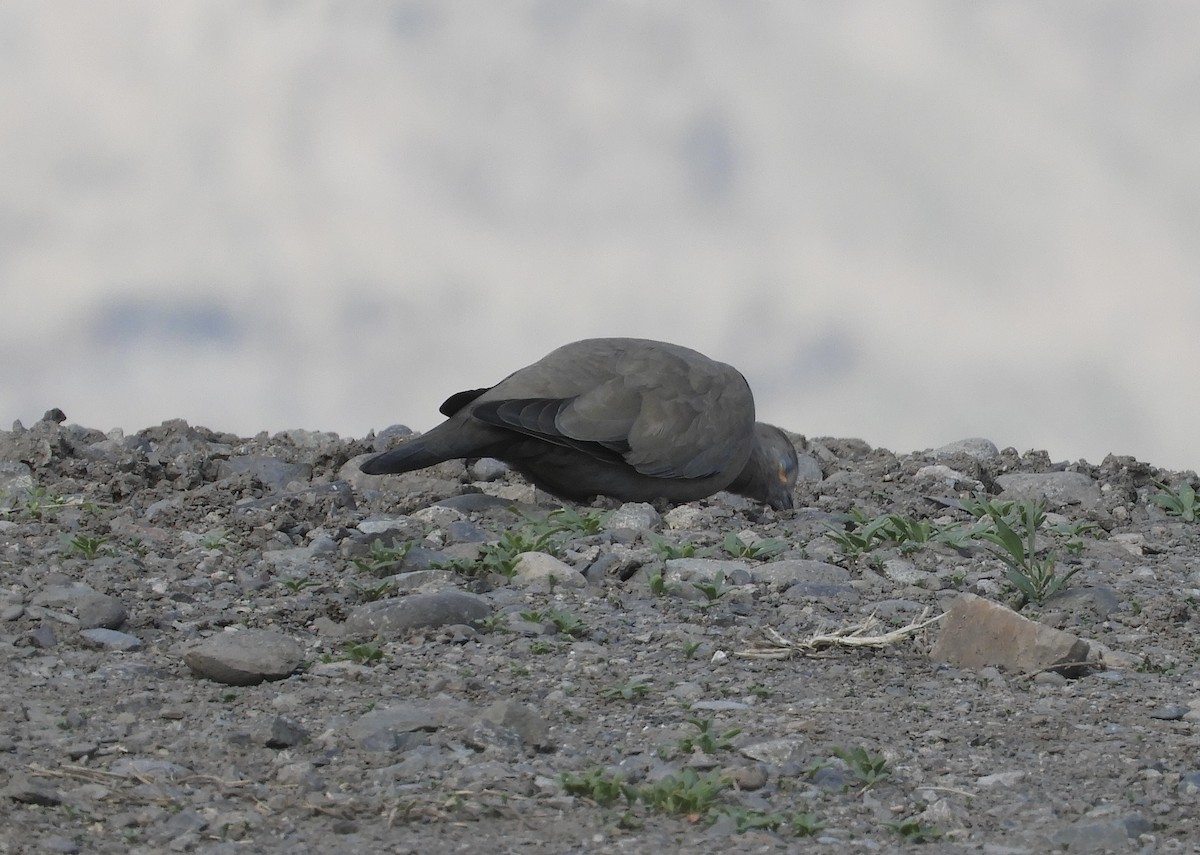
(770, 473)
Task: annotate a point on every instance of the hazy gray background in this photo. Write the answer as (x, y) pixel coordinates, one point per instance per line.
(908, 222)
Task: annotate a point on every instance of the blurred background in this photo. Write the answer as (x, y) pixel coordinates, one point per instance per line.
(905, 222)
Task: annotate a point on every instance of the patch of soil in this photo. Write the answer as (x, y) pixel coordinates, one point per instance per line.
(602, 703)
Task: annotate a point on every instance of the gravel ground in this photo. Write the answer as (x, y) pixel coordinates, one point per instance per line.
(220, 644)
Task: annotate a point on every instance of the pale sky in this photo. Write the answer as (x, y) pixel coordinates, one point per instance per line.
(906, 222)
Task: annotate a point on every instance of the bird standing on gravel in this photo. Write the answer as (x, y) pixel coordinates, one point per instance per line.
(629, 418)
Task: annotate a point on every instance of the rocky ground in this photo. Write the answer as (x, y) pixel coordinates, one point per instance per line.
(219, 644)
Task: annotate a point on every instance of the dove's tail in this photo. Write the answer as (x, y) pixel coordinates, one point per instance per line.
(448, 441)
(414, 454)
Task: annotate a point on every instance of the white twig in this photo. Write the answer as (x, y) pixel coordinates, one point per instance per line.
(774, 645)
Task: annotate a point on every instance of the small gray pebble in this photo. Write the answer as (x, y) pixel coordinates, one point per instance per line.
(110, 639)
(43, 636)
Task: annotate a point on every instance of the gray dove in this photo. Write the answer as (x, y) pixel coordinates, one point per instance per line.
(629, 418)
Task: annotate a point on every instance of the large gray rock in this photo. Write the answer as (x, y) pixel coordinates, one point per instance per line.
(534, 567)
(705, 570)
(384, 728)
(526, 721)
(634, 515)
(793, 571)
(1059, 489)
(90, 607)
(246, 657)
(974, 447)
(272, 472)
(397, 616)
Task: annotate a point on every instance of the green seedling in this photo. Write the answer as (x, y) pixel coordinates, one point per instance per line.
(712, 590)
(985, 509)
(468, 567)
(862, 536)
(493, 623)
(686, 793)
(630, 690)
(299, 584)
(658, 585)
(383, 559)
(214, 539)
(1180, 502)
(598, 786)
(667, 551)
(568, 624)
(567, 519)
(84, 546)
(806, 824)
(41, 502)
(371, 593)
(538, 647)
(868, 767)
(706, 739)
(690, 648)
(748, 819)
(501, 557)
(914, 831)
(735, 547)
(1034, 578)
(364, 654)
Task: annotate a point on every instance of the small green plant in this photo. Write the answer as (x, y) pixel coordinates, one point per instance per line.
(84, 546)
(363, 654)
(1073, 528)
(383, 559)
(690, 648)
(984, 509)
(599, 786)
(629, 690)
(568, 624)
(567, 519)
(214, 539)
(493, 623)
(532, 616)
(1034, 578)
(914, 831)
(806, 824)
(712, 589)
(371, 593)
(41, 502)
(867, 766)
(864, 534)
(706, 739)
(1180, 502)
(469, 567)
(749, 819)
(666, 551)
(658, 585)
(861, 536)
(299, 584)
(687, 793)
(735, 547)
(905, 530)
(501, 557)
(538, 647)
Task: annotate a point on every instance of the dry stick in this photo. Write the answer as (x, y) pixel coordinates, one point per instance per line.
(777, 646)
